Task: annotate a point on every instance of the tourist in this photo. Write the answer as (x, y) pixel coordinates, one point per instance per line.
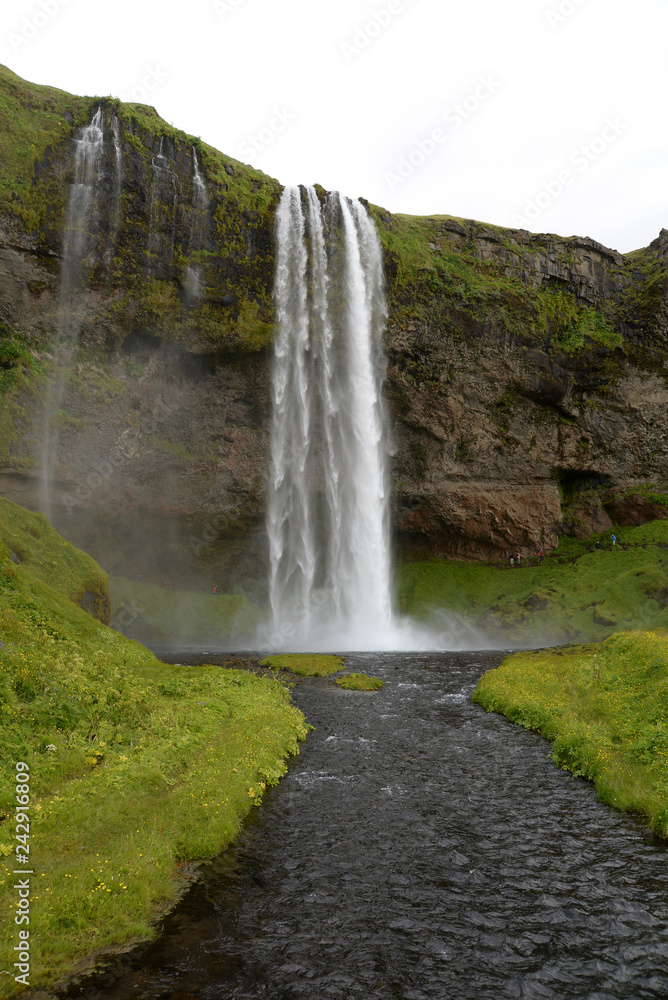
(614, 540)
(214, 589)
(519, 560)
(512, 561)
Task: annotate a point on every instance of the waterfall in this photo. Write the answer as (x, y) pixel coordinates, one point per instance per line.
(81, 225)
(164, 199)
(118, 174)
(200, 196)
(328, 517)
(198, 232)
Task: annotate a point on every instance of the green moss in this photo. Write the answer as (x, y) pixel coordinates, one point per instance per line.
(305, 664)
(359, 682)
(603, 708)
(250, 332)
(172, 448)
(588, 324)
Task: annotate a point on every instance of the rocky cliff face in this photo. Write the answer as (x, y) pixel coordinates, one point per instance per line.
(526, 381)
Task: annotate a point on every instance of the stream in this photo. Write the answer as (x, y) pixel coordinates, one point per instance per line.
(419, 848)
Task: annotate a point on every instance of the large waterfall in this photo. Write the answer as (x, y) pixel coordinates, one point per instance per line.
(81, 224)
(328, 524)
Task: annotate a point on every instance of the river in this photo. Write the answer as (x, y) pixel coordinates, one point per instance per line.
(419, 849)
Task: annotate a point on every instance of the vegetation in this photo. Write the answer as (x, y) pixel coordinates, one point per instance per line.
(136, 767)
(573, 596)
(359, 682)
(37, 124)
(304, 664)
(20, 373)
(165, 615)
(436, 280)
(605, 709)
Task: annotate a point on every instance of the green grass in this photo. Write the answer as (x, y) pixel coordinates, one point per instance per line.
(605, 709)
(136, 767)
(574, 596)
(304, 664)
(180, 615)
(359, 682)
(35, 553)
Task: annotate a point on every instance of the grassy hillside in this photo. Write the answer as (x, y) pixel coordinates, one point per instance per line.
(605, 708)
(135, 766)
(36, 119)
(574, 596)
(158, 615)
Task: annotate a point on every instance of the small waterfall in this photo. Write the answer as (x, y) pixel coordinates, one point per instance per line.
(81, 227)
(199, 228)
(200, 193)
(164, 199)
(328, 518)
(118, 175)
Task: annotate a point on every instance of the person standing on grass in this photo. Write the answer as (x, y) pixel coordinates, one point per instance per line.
(540, 556)
(512, 561)
(614, 540)
(214, 589)
(519, 560)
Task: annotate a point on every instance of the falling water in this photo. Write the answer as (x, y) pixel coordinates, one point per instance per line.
(164, 198)
(81, 224)
(200, 196)
(198, 232)
(328, 519)
(118, 175)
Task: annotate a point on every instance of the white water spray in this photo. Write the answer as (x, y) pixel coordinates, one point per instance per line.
(81, 226)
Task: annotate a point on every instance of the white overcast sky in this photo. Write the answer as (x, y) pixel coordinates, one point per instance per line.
(546, 113)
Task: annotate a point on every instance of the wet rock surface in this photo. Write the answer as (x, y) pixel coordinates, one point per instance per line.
(419, 848)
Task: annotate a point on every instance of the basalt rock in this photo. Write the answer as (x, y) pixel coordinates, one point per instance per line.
(526, 384)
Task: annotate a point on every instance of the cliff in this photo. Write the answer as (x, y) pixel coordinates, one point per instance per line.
(526, 373)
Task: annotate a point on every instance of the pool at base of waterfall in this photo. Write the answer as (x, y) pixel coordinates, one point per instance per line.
(419, 849)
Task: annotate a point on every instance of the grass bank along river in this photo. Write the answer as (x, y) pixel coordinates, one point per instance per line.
(136, 766)
(604, 707)
(573, 596)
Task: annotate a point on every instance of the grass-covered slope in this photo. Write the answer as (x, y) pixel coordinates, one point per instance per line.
(159, 615)
(135, 766)
(46, 558)
(606, 710)
(577, 596)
